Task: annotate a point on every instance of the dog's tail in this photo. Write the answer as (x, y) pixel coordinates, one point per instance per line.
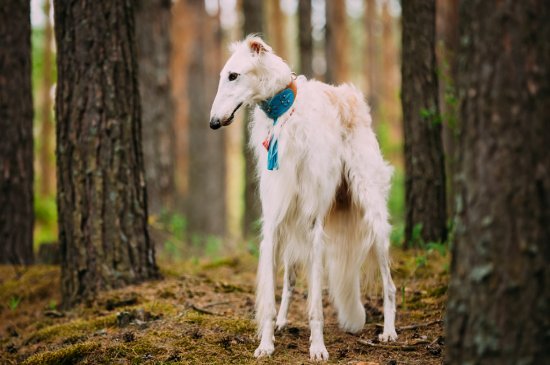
(347, 253)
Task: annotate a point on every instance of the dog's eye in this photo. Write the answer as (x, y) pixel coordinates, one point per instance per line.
(233, 76)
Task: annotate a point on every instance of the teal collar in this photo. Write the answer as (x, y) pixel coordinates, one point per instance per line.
(275, 107)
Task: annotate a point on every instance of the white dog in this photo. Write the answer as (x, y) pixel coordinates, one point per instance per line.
(323, 188)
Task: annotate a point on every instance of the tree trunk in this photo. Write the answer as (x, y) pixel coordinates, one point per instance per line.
(447, 41)
(47, 168)
(371, 66)
(102, 201)
(182, 34)
(276, 24)
(16, 148)
(153, 46)
(336, 42)
(424, 167)
(499, 297)
(206, 203)
(253, 23)
(305, 38)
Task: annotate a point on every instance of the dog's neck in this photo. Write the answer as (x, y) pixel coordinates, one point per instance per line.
(281, 102)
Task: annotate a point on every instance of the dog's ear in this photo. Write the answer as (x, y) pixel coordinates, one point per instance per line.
(257, 46)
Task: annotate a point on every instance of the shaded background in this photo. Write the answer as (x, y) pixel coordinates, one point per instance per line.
(196, 200)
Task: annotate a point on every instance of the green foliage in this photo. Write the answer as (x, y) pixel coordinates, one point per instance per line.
(431, 116)
(253, 248)
(396, 201)
(416, 236)
(439, 247)
(45, 212)
(213, 246)
(14, 302)
(52, 305)
(397, 236)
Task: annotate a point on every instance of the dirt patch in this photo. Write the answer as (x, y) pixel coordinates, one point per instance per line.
(203, 313)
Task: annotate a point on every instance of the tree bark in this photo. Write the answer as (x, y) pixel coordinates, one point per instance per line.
(153, 45)
(47, 168)
(206, 203)
(16, 148)
(447, 44)
(305, 38)
(253, 23)
(336, 42)
(499, 296)
(102, 201)
(424, 166)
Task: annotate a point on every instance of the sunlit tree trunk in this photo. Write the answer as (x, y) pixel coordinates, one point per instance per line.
(276, 25)
(46, 165)
(153, 20)
(305, 38)
(371, 66)
(16, 147)
(102, 204)
(253, 23)
(424, 167)
(206, 202)
(499, 296)
(182, 33)
(336, 42)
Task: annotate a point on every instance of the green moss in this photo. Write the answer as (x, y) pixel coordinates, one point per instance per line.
(67, 355)
(72, 329)
(28, 283)
(237, 325)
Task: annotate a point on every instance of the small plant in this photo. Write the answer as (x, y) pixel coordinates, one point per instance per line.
(441, 248)
(213, 246)
(14, 302)
(52, 305)
(416, 235)
(253, 248)
(421, 261)
(431, 115)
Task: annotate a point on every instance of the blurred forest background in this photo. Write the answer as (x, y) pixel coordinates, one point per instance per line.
(193, 196)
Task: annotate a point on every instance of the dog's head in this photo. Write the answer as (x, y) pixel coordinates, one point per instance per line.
(252, 73)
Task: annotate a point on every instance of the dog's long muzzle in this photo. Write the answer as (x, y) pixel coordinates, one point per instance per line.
(216, 123)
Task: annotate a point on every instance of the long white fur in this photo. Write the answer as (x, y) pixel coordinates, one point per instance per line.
(328, 141)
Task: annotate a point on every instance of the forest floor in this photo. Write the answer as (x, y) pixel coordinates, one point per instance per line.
(202, 313)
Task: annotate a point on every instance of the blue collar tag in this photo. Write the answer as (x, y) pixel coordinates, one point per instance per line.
(275, 107)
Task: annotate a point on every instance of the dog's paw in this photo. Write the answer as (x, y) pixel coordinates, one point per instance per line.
(387, 336)
(318, 352)
(280, 324)
(264, 350)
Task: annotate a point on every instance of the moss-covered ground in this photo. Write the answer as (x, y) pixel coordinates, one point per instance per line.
(202, 313)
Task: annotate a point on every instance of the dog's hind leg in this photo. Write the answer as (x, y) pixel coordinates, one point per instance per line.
(369, 177)
(265, 293)
(317, 350)
(382, 253)
(289, 280)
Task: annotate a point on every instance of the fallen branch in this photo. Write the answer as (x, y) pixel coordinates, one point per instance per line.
(413, 326)
(202, 310)
(213, 304)
(402, 347)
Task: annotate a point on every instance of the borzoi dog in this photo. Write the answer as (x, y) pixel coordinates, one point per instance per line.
(323, 189)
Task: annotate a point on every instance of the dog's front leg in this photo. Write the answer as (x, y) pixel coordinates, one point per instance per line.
(289, 280)
(317, 350)
(265, 296)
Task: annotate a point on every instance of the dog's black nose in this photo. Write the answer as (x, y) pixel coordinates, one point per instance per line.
(215, 123)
